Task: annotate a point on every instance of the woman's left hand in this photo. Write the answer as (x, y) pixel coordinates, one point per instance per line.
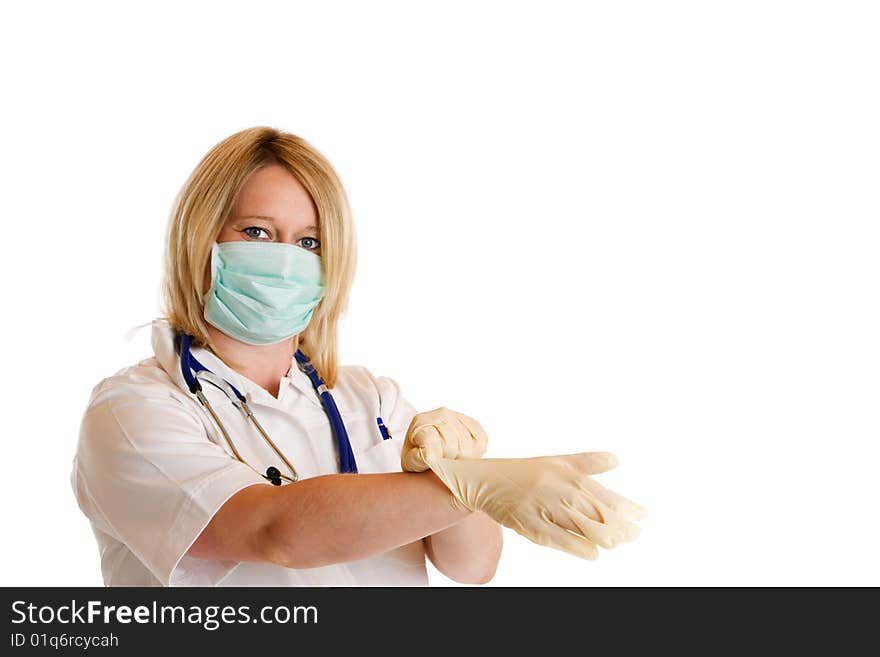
(441, 433)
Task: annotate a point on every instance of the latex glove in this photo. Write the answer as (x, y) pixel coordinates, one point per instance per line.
(441, 433)
(551, 500)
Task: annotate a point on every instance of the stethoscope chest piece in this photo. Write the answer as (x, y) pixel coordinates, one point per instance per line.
(273, 475)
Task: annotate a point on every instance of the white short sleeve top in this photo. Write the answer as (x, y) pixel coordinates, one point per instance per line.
(151, 467)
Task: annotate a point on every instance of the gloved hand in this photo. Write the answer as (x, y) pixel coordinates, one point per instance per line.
(441, 433)
(550, 500)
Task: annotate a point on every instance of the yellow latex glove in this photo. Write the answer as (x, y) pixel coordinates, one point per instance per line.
(551, 500)
(441, 433)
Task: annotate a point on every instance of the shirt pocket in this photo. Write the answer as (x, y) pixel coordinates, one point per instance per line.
(381, 457)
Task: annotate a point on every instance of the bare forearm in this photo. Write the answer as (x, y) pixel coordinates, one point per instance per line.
(337, 518)
(468, 551)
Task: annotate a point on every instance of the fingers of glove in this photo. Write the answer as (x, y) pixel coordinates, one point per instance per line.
(625, 507)
(623, 530)
(412, 459)
(430, 440)
(457, 441)
(450, 437)
(552, 535)
(590, 463)
(477, 440)
(439, 436)
(583, 500)
(631, 532)
(595, 509)
(425, 428)
(462, 436)
(607, 533)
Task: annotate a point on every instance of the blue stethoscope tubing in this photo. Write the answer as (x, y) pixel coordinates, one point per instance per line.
(346, 456)
(193, 371)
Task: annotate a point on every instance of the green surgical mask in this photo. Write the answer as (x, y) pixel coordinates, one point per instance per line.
(262, 292)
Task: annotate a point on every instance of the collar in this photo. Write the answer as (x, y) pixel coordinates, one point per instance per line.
(162, 340)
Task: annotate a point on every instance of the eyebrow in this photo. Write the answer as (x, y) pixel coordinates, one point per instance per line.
(272, 220)
(257, 216)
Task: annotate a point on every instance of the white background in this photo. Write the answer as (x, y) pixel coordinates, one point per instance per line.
(642, 227)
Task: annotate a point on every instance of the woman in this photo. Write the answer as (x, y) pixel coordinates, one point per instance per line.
(173, 471)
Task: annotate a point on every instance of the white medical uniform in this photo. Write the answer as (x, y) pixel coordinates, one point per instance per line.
(152, 468)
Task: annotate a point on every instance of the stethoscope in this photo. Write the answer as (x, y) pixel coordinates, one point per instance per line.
(194, 372)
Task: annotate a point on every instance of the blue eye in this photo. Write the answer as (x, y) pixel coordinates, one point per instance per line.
(310, 243)
(255, 228)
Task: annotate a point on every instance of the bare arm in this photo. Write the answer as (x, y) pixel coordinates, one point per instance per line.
(468, 551)
(328, 519)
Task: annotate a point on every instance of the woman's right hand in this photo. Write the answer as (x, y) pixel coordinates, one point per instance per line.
(551, 500)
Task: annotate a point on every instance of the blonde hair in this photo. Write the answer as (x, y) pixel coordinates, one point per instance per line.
(202, 207)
